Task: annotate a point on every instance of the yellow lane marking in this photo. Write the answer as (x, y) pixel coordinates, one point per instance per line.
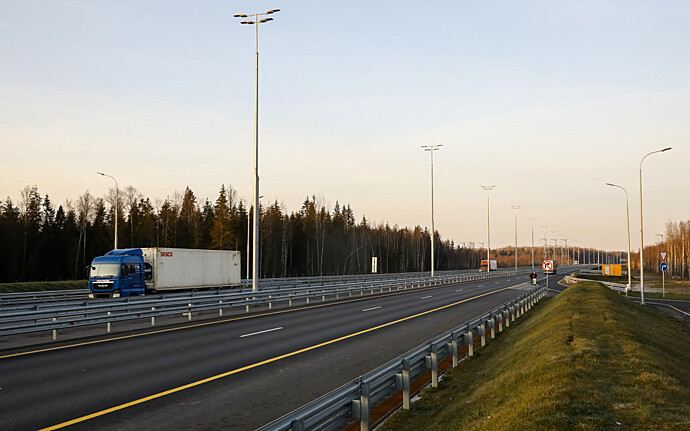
(215, 322)
(257, 364)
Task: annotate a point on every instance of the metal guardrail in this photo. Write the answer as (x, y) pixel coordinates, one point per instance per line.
(53, 317)
(355, 400)
(52, 296)
(620, 287)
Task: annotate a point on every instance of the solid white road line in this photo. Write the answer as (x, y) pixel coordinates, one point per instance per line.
(261, 332)
(372, 308)
(425, 297)
(459, 290)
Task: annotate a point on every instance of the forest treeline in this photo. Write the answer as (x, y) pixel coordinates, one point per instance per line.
(42, 242)
(676, 242)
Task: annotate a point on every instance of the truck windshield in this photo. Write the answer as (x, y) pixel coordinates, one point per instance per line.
(105, 270)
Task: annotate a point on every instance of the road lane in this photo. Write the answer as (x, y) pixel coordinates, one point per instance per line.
(72, 382)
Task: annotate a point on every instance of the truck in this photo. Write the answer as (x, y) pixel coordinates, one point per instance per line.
(138, 271)
(492, 265)
(550, 266)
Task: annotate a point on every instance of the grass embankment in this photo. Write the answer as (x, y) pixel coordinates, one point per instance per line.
(675, 288)
(587, 359)
(33, 286)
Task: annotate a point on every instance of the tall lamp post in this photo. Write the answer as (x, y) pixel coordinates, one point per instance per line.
(531, 219)
(516, 208)
(642, 228)
(255, 241)
(627, 219)
(431, 149)
(488, 228)
(117, 199)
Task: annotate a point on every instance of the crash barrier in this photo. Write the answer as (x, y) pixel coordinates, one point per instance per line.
(620, 287)
(53, 318)
(355, 400)
(14, 299)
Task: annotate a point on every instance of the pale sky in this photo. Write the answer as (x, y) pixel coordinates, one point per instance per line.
(547, 100)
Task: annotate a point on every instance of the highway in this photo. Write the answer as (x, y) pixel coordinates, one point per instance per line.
(236, 373)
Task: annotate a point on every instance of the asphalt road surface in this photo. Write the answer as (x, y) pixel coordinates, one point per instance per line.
(238, 373)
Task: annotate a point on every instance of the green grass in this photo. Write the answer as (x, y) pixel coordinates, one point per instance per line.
(658, 295)
(588, 359)
(33, 286)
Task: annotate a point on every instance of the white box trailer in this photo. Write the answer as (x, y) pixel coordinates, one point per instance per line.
(185, 268)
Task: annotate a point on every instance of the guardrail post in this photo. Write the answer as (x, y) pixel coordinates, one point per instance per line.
(220, 308)
(406, 383)
(454, 349)
(190, 311)
(501, 316)
(512, 313)
(54, 330)
(247, 308)
(270, 304)
(364, 407)
(108, 324)
(482, 331)
(297, 425)
(153, 318)
(492, 322)
(470, 342)
(434, 366)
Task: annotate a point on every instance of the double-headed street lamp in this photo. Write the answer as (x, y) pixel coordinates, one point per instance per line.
(488, 228)
(531, 219)
(431, 149)
(117, 199)
(627, 219)
(255, 257)
(516, 208)
(642, 228)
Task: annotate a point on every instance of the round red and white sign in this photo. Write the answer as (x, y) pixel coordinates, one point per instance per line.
(547, 265)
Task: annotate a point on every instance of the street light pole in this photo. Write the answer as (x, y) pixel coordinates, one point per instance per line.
(516, 208)
(117, 199)
(431, 149)
(488, 228)
(255, 241)
(531, 219)
(642, 228)
(627, 219)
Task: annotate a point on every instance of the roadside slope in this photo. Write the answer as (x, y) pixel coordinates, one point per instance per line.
(586, 359)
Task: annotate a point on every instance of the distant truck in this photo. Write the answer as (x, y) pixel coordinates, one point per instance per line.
(550, 267)
(492, 265)
(138, 271)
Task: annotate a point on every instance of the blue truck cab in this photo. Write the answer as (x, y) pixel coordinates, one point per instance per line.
(118, 273)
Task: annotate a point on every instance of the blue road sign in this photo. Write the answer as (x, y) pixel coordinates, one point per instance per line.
(663, 266)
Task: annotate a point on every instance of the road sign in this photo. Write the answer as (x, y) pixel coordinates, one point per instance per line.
(663, 267)
(663, 255)
(547, 265)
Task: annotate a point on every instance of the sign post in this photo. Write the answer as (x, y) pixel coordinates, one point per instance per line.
(547, 266)
(663, 267)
